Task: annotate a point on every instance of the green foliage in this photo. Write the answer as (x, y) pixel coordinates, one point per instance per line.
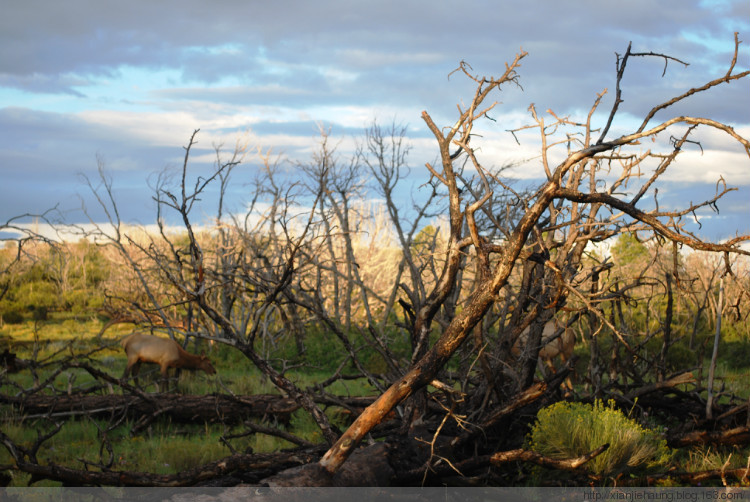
(39, 313)
(13, 317)
(76, 301)
(628, 250)
(424, 240)
(714, 458)
(168, 450)
(180, 453)
(568, 430)
(735, 354)
(680, 356)
(64, 277)
(36, 294)
(324, 351)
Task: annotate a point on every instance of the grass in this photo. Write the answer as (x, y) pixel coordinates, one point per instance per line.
(163, 448)
(168, 447)
(714, 458)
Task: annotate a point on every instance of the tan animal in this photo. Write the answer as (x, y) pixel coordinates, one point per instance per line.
(561, 346)
(162, 351)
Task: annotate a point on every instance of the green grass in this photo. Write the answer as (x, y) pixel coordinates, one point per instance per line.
(167, 447)
(164, 447)
(713, 458)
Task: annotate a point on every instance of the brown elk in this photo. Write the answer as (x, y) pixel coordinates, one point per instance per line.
(552, 346)
(162, 351)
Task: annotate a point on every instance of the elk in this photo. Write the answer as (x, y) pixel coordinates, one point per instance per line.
(558, 339)
(162, 351)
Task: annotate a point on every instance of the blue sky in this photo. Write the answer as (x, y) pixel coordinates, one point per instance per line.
(129, 82)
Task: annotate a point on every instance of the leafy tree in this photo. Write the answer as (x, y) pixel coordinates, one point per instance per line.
(628, 250)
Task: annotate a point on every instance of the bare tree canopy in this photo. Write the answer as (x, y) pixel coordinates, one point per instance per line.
(454, 295)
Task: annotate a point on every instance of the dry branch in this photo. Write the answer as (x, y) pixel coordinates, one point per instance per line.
(483, 462)
(684, 378)
(734, 436)
(569, 464)
(526, 397)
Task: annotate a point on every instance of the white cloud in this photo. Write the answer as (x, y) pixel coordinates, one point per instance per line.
(121, 81)
(148, 128)
(710, 166)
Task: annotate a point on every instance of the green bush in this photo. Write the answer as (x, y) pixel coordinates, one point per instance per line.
(13, 317)
(569, 430)
(680, 357)
(39, 313)
(76, 300)
(37, 294)
(736, 354)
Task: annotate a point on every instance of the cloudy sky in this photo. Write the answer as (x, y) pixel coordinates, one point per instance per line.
(128, 82)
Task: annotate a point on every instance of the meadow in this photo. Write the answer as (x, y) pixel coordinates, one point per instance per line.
(167, 447)
(163, 447)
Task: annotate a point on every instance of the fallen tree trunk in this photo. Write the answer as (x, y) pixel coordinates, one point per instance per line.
(181, 408)
(483, 462)
(681, 379)
(741, 474)
(252, 468)
(734, 436)
(569, 464)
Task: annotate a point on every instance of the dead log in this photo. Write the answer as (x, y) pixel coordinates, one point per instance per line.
(741, 474)
(180, 408)
(683, 378)
(366, 467)
(735, 436)
(12, 363)
(252, 466)
(467, 466)
(569, 464)
(184, 408)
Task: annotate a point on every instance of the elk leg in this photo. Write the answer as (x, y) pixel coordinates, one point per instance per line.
(568, 383)
(164, 378)
(540, 366)
(134, 369)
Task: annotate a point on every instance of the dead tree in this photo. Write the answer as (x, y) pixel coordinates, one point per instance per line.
(18, 237)
(571, 193)
(505, 261)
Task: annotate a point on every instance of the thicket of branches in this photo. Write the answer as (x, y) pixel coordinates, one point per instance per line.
(442, 286)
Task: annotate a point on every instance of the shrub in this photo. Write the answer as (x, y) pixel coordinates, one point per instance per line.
(76, 300)
(39, 312)
(13, 317)
(680, 356)
(736, 354)
(568, 430)
(37, 293)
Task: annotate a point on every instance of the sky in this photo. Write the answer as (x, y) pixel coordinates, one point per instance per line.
(124, 84)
